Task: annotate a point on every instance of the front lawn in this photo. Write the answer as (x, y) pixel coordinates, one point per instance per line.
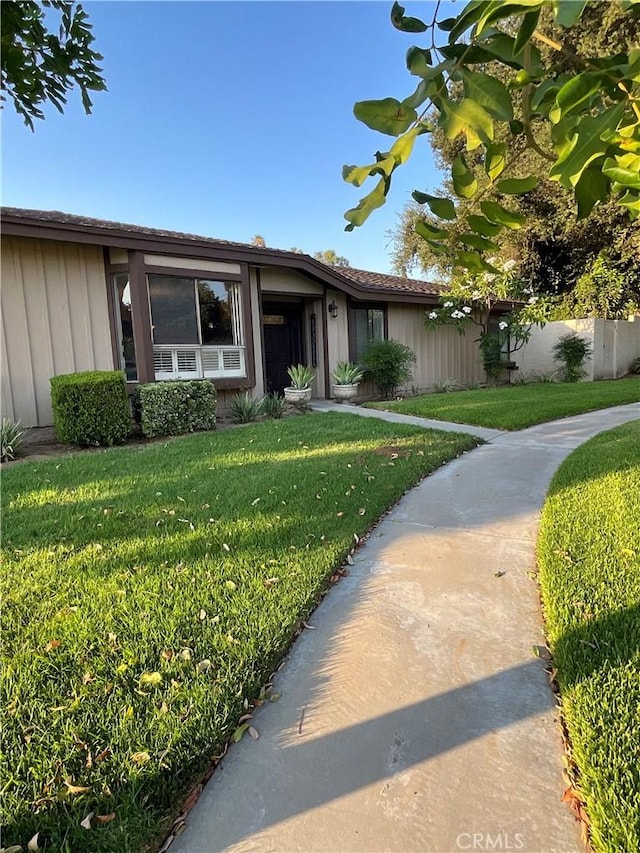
(518, 406)
(589, 558)
(149, 591)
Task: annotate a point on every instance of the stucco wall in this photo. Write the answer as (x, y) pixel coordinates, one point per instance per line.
(615, 344)
(54, 320)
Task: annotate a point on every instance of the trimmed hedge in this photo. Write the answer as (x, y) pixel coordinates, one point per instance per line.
(172, 408)
(91, 408)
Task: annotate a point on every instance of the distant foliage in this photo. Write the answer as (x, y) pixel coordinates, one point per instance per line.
(173, 408)
(572, 351)
(601, 291)
(388, 365)
(91, 408)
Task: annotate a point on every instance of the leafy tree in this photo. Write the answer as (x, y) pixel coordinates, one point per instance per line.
(552, 248)
(572, 351)
(601, 291)
(330, 257)
(39, 66)
(258, 240)
(584, 123)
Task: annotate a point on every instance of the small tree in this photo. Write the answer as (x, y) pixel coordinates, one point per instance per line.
(474, 301)
(388, 365)
(329, 257)
(572, 351)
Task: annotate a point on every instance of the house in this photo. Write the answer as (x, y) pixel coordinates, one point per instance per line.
(87, 294)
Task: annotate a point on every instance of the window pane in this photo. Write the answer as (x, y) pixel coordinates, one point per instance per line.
(367, 327)
(216, 312)
(173, 310)
(125, 326)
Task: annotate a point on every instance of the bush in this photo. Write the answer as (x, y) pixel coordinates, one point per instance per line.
(244, 408)
(274, 405)
(173, 408)
(12, 435)
(572, 350)
(91, 408)
(387, 364)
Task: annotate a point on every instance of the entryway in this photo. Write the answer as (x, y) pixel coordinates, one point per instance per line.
(282, 324)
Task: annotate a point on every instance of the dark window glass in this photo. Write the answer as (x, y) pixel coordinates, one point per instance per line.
(125, 326)
(216, 306)
(367, 327)
(173, 310)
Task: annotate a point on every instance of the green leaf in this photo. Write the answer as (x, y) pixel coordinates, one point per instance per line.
(357, 175)
(466, 117)
(406, 24)
(631, 201)
(575, 95)
(376, 198)
(567, 12)
(444, 208)
(585, 146)
(419, 61)
(527, 28)
(464, 181)
(497, 213)
(488, 92)
(501, 46)
(447, 25)
(472, 261)
(425, 89)
(545, 92)
(592, 188)
(237, 735)
(516, 186)
(494, 159)
(430, 232)
(403, 146)
(477, 242)
(481, 225)
(615, 171)
(386, 115)
(471, 13)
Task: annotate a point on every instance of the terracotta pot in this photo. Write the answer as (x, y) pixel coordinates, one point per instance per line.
(345, 392)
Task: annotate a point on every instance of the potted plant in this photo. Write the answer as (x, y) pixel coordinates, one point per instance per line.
(299, 392)
(347, 375)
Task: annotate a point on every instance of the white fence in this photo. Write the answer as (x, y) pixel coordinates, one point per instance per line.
(615, 343)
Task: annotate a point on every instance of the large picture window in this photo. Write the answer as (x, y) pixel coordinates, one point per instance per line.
(367, 325)
(199, 312)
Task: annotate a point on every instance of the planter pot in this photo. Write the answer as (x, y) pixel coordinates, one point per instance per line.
(342, 393)
(297, 396)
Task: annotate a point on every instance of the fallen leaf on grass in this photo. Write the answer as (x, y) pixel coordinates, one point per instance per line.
(51, 645)
(75, 789)
(102, 755)
(204, 665)
(151, 678)
(105, 818)
(350, 559)
(140, 758)
(239, 732)
(16, 848)
(34, 843)
(310, 627)
(245, 717)
(254, 733)
(86, 823)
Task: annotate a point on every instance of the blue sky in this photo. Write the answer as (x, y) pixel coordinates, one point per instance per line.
(227, 119)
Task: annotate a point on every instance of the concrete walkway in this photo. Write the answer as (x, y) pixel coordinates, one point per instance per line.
(416, 716)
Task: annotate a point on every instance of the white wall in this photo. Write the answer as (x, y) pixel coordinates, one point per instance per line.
(615, 344)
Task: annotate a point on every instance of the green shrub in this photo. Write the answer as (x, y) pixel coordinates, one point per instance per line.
(244, 408)
(91, 408)
(274, 405)
(12, 435)
(387, 364)
(572, 351)
(173, 408)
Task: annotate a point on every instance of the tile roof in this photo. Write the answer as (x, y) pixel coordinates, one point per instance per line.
(381, 282)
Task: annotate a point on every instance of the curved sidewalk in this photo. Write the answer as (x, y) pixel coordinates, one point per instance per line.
(416, 716)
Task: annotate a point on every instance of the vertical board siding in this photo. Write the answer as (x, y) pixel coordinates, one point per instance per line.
(337, 331)
(440, 353)
(54, 320)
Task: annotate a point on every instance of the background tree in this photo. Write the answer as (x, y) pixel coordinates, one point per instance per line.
(579, 114)
(258, 240)
(552, 248)
(329, 256)
(41, 65)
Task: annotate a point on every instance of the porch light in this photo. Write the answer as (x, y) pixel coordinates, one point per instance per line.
(333, 309)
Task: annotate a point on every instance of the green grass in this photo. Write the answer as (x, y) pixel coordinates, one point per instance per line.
(589, 558)
(518, 406)
(126, 569)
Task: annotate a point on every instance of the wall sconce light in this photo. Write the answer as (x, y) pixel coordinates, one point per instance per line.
(333, 309)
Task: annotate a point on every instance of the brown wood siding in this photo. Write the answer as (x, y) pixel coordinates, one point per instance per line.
(54, 320)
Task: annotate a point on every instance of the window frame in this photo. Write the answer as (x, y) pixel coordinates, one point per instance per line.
(352, 307)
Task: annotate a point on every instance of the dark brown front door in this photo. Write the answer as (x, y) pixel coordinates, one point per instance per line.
(283, 346)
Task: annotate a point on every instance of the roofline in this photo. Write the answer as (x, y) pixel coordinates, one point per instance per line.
(206, 248)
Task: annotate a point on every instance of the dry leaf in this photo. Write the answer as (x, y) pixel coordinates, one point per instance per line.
(204, 665)
(310, 627)
(34, 843)
(225, 546)
(75, 789)
(271, 581)
(151, 678)
(86, 823)
(51, 645)
(230, 585)
(167, 844)
(102, 755)
(339, 514)
(202, 615)
(350, 559)
(140, 758)
(245, 717)
(255, 734)
(253, 503)
(15, 848)
(105, 818)
(185, 654)
(167, 654)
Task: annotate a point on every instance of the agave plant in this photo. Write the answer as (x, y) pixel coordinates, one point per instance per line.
(273, 405)
(12, 435)
(347, 373)
(301, 376)
(243, 408)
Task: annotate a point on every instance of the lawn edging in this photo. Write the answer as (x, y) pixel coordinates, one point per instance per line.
(589, 573)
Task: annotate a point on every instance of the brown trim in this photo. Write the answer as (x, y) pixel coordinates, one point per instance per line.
(113, 268)
(261, 319)
(247, 321)
(141, 317)
(227, 383)
(186, 273)
(111, 311)
(325, 346)
(277, 296)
